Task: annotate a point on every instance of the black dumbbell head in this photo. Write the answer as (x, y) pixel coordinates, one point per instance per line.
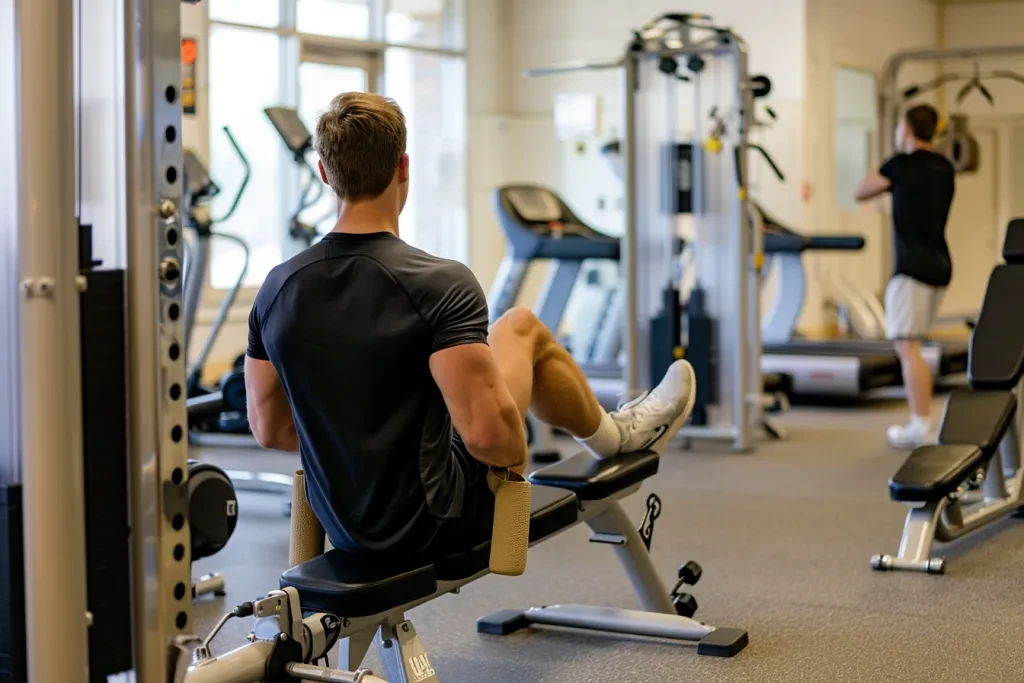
(690, 573)
(685, 604)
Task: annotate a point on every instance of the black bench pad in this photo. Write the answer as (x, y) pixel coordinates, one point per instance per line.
(977, 418)
(350, 585)
(997, 343)
(551, 510)
(931, 472)
(593, 478)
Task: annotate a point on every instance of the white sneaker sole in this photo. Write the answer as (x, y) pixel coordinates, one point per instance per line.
(691, 378)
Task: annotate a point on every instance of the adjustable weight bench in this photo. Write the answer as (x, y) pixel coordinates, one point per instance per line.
(979, 447)
(358, 599)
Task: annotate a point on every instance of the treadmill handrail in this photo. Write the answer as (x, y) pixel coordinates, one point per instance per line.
(836, 242)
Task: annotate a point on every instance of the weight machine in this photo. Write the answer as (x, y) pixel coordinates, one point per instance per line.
(707, 60)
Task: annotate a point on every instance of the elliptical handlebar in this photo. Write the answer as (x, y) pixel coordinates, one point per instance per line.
(245, 178)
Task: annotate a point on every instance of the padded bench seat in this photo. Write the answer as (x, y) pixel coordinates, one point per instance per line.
(593, 478)
(931, 472)
(350, 585)
(973, 425)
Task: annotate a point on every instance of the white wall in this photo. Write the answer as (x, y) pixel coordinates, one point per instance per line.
(983, 24)
(991, 23)
(859, 35)
(487, 96)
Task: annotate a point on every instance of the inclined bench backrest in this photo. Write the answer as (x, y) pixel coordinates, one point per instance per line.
(996, 358)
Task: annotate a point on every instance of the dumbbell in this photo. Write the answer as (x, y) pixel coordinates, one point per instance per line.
(689, 573)
(685, 604)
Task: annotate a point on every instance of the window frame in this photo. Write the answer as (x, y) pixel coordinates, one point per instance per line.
(333, 51)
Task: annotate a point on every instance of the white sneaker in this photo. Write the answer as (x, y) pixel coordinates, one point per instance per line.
(651, 420)
(909, 436)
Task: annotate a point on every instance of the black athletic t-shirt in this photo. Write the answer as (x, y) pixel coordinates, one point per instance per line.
(350, 324)
(922, 192)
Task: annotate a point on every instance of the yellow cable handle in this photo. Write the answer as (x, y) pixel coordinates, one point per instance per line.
(713, 145)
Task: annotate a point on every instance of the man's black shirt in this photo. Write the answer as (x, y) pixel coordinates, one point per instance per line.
(350, 324)
(922, 192)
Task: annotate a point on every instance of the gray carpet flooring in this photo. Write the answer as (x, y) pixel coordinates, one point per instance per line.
(784, 535)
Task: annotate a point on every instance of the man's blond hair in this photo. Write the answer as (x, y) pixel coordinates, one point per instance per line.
(361, 140)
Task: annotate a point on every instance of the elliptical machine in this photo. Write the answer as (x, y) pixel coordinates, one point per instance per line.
(299, 141)
(220, 408)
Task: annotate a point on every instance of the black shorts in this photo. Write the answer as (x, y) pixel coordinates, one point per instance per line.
(474, 525)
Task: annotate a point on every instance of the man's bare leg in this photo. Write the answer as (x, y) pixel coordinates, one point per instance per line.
(543, 377)
(917, 378)
(918, 384)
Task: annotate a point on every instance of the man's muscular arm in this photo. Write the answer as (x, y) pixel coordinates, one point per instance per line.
(480, 404)
(270, 416)
(463, 368)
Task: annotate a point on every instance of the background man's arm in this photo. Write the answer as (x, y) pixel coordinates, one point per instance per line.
(873, 185)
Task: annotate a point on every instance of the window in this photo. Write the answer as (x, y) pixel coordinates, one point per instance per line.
(301, 53)
(337, 18)
(434, 23)
(855, 120)
(239, 91)
(254, 12)
(431, 89)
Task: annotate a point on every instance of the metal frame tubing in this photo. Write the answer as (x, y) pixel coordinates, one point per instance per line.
(891, 98)
(51, 430)
(157, 418)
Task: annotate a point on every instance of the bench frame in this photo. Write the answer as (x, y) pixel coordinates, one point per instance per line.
(281, 632)
(962, 511)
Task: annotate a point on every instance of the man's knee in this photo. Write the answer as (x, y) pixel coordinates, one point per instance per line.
(520, 322)
(908, 349)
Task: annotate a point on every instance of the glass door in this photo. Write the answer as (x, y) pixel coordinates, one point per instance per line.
(325, 72)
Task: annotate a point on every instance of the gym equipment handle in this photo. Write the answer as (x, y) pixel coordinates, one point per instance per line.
(245, 177)
(835, 243)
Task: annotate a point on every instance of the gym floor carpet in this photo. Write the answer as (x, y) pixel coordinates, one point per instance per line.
(784, 535)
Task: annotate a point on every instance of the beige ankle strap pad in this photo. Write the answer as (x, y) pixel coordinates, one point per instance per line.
(307, 536)
(510, 536)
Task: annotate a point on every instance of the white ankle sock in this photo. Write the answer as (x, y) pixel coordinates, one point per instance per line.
(606, 441)
(921, 424)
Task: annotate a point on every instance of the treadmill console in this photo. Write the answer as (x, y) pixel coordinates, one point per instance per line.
(538, 224)
(543, 211)
(199, 185)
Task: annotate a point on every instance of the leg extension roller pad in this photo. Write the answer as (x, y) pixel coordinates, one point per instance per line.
(723, 642)
(502, 622)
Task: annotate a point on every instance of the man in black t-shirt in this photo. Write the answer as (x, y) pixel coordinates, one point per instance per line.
(921, 182)
(374, 360)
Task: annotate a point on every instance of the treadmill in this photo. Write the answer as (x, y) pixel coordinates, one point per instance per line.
(846, 368)
(538, 225)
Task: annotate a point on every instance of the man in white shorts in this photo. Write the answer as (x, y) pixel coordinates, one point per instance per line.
(921, 182)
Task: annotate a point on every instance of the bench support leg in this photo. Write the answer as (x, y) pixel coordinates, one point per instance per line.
(352, 650)
(402, 654)
(916, 545)
(635, 560)
(658, 619)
